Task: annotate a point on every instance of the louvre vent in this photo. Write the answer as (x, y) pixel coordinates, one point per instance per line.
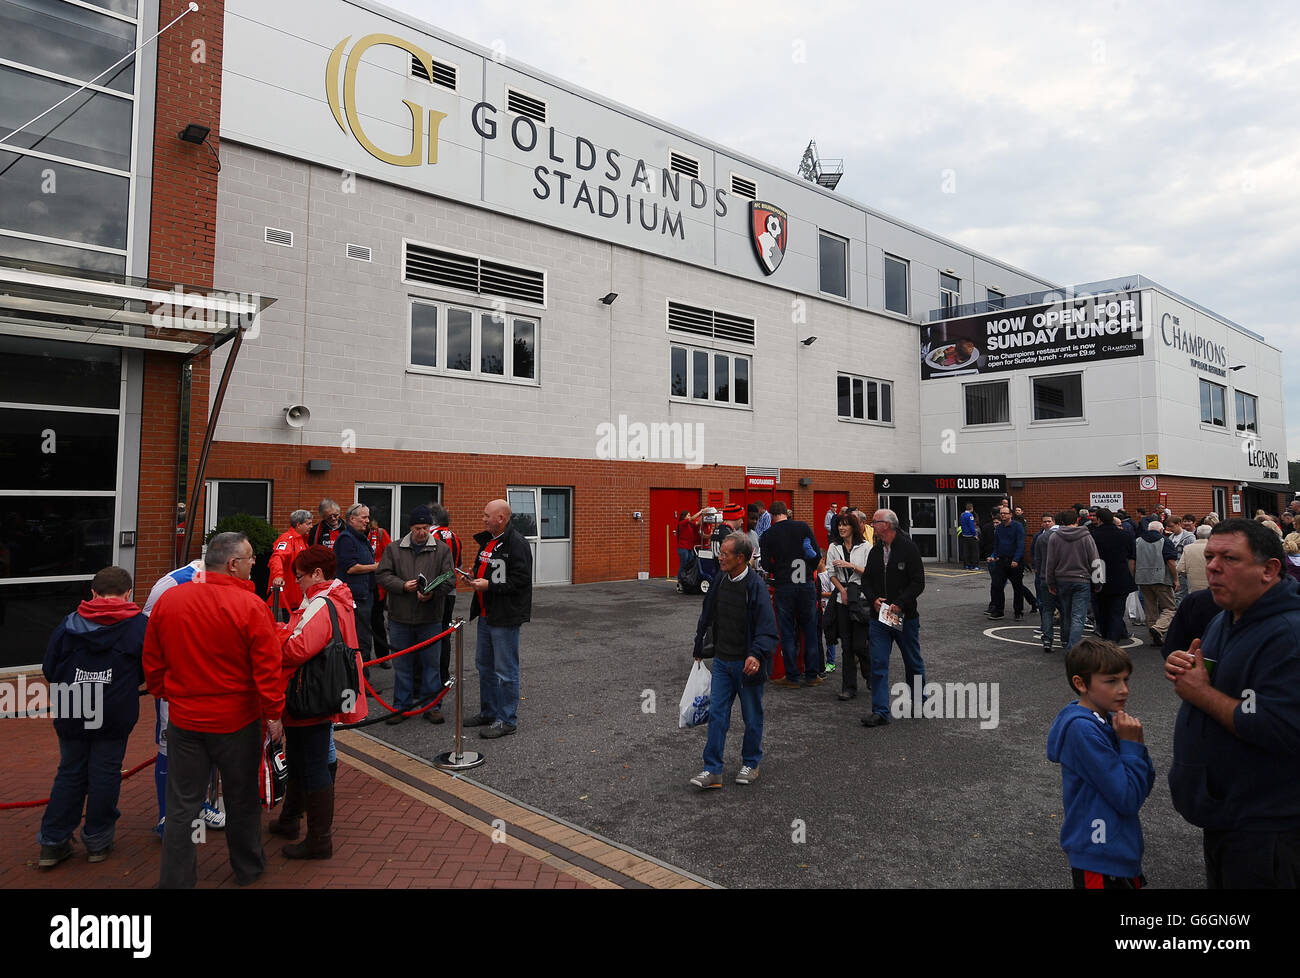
(469, 274)
(277, 236)
(684, 164)
(443, 74)
(744, 188)
(521, 104)
(358, 252)
(509, 282)
(705, 322)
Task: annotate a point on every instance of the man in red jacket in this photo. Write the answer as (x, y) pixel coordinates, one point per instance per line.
(287, 546)
(211, 651)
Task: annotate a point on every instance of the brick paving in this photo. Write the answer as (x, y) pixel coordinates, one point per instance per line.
(397, 825)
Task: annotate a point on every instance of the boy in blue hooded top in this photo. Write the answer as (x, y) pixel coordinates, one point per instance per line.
(1106, 772)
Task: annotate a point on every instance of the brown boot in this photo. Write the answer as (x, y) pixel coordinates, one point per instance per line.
(289, 823)
(320, 822)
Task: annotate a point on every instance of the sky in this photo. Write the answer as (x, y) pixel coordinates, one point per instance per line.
(1079, 141)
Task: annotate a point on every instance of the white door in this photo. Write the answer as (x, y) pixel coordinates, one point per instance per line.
(543, 516)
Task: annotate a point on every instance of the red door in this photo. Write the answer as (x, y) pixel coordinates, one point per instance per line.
(821, 502)
(665, 504)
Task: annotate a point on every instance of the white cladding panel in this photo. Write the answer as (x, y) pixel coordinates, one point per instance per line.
(1132, 408)
(337, 337)
(275, 86)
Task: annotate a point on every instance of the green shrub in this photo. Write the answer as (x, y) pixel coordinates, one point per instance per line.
(260, 533)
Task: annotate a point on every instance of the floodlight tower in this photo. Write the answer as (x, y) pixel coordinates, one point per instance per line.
(814, 169)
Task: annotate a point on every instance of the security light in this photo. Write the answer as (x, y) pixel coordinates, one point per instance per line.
(195, 133)
(809, 341)
(608, 298)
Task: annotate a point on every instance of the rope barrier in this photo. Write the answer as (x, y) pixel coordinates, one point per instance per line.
(45, 801)
(414, 711)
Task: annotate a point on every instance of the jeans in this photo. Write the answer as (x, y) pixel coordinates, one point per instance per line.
(684, 557)
(1184, 588)
(881, 639)
(363, 614)
(1046, 610)
(497, 659)
(796, 608)
(1237, 859)
(403, 636)
(190, 756)
(727, 683)
(1002, 572)
(90, 772)
(1110, 617)
(307, 752)
(1073, 597)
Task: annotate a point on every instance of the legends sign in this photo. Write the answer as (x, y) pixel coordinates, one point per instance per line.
(1069, 332)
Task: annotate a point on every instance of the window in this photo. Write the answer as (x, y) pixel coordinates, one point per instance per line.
(949, 294)
(996, 299)
(1247, 407)
(988, 403)
(1212, 405)
(390, 505)
(896, 285)
(1058, 398)
(707, 375)
(833, 260)
(865, 399)
(474, 342)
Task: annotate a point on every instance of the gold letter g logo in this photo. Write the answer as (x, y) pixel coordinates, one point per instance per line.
(349, 107)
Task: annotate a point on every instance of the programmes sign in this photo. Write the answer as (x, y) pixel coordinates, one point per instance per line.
(1066, 333)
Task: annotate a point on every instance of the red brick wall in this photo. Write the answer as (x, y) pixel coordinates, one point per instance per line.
(606, 540)
(1186, 495)
(182, 243)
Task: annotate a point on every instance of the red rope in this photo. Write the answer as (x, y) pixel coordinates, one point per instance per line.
(394, 655)
(45, 801)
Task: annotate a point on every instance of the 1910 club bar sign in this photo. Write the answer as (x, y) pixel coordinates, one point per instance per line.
(912, 482)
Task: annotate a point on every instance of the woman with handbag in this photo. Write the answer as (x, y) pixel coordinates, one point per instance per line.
(847, 562)
(316, 643)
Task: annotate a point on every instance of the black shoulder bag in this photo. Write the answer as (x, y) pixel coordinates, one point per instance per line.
(319, 685)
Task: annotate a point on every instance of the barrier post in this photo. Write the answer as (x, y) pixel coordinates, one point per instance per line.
(459, 759)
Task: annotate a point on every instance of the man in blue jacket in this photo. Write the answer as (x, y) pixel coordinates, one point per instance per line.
(739, 612)
(356, 568)
(93, 662)
(1006, 563)
(1236, 769)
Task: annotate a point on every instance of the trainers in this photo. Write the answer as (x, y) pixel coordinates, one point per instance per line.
(707, 779)
(99, 855)
(830, 667)
(213, 817)
(1020, 616)
(747, 775)
(498, 729)
(994, 616)
(53, 855)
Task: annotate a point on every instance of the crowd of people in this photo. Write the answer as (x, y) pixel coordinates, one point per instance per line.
(778, 588)
(219, 662)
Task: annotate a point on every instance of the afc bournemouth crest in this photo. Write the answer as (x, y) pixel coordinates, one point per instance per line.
(768, 226)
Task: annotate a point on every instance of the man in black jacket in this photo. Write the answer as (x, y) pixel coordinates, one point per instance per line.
(895, 578)
(503, 600)
(789, 553)
(1115, 547)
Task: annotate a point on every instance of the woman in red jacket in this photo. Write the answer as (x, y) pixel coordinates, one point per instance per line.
(307, 741)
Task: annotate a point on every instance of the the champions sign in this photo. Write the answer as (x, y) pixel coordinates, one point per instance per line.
(1072, 331)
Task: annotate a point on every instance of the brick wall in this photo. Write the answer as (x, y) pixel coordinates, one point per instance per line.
(606, 540)
(182, 241)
